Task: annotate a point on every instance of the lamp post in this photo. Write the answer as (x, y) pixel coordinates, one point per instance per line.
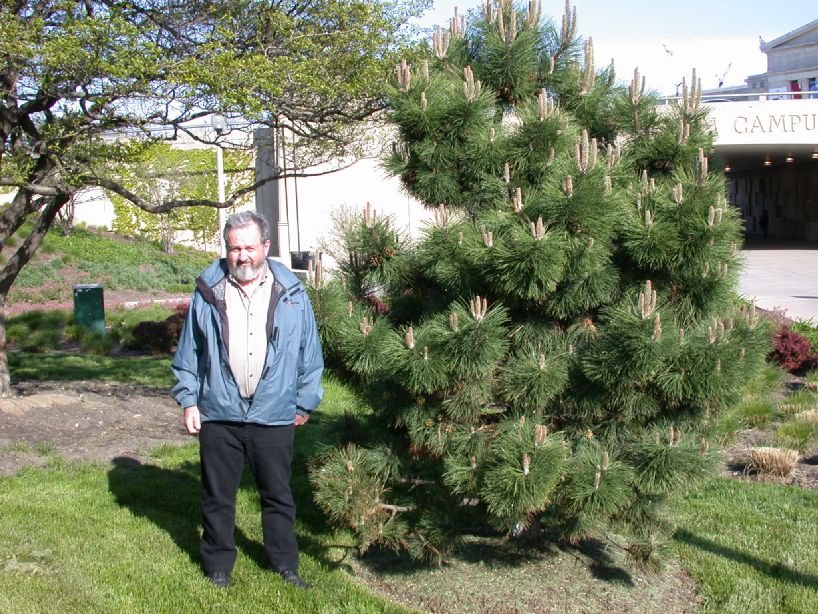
(219, 124)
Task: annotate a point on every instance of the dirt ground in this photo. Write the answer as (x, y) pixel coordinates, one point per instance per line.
(85, 421)
(97, 421)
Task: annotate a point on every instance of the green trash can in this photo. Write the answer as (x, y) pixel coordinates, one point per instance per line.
(89, 307)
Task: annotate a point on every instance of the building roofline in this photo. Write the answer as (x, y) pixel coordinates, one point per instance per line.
(789, 36)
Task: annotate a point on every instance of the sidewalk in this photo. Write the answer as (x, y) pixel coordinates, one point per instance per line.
(782, 274)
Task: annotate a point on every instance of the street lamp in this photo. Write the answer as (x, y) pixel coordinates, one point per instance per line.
(219, 124)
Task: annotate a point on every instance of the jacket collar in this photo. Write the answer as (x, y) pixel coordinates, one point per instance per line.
(211, 282)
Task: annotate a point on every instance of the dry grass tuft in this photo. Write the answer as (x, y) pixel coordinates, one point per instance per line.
(773, 461)
(803, 400)
(810, 417)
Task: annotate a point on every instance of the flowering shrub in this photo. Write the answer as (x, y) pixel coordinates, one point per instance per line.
(793, 351)
(778, 318)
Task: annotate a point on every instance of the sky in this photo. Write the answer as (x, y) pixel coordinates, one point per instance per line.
(666, 40)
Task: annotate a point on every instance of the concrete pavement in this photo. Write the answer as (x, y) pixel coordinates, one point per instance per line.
(782, 274)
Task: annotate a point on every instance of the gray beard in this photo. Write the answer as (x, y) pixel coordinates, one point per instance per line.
(246, 272)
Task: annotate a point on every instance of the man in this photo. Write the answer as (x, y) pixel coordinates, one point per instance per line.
(248, 367)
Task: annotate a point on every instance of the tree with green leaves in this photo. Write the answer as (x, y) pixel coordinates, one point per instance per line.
(81, 80)
(169, 173)
(549, 357)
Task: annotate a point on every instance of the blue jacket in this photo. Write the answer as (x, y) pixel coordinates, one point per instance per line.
(290, 381)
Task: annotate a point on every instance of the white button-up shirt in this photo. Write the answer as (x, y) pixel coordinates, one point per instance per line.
(247, 320)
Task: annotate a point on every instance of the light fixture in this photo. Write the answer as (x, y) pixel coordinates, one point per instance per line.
(815, 155)
(727, 168)
(768, 162)
(218, 122)
(789, 159)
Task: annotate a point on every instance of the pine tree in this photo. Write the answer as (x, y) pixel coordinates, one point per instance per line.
(552, 351)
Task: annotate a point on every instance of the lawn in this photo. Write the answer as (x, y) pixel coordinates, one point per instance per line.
(89, 256)
(123, 537)
(752, 547)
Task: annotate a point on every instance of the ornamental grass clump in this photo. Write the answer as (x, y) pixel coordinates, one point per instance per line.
(771, 461)
(811, 381)
(756, 413)
(797, 434)
(810, 416)
(802, 400)
(564, 333)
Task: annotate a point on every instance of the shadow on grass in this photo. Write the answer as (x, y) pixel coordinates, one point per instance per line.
(168, 498)
(171, 499)
(153, 370)
(498, 552)
(775, 570)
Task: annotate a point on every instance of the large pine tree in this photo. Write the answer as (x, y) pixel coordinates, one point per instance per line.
(551, 352)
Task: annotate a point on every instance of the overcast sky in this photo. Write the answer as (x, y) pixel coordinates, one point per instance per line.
(667, 39)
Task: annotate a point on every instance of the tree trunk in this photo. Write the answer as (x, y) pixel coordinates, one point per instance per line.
(12, 269)
(5, 380)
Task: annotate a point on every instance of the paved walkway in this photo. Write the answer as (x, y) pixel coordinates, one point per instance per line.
(782, 274)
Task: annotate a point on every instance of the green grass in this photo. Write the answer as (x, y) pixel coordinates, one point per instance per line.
(756, 413)
(801, 400)
(751, 547)
(146, 370)
(770, 380)
(124, 537)
(795, 435)
(96, 258)
(41, 330)
(811, 378)
(97, 538)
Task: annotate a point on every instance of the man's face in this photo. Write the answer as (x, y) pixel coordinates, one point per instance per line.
(246, 253)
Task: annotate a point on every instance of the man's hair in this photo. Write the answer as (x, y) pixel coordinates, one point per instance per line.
(242, 219)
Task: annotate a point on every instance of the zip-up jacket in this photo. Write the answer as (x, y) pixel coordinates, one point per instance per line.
(290, 380)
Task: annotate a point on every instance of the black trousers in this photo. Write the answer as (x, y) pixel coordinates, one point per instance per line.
(223, 446)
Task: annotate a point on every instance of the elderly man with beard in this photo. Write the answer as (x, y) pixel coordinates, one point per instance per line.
(248, 369)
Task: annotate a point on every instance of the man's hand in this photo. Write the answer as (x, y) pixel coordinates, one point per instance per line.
(192, 420)
(301, 420)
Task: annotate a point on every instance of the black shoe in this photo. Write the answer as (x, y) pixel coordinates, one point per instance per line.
(219, 578)
(291, 577)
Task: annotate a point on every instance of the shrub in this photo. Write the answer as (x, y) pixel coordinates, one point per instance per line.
(38, 331)
(157, 337)
(808, 329)
(777, 317)
(91, 342)
(793, 351)
(773, 461)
